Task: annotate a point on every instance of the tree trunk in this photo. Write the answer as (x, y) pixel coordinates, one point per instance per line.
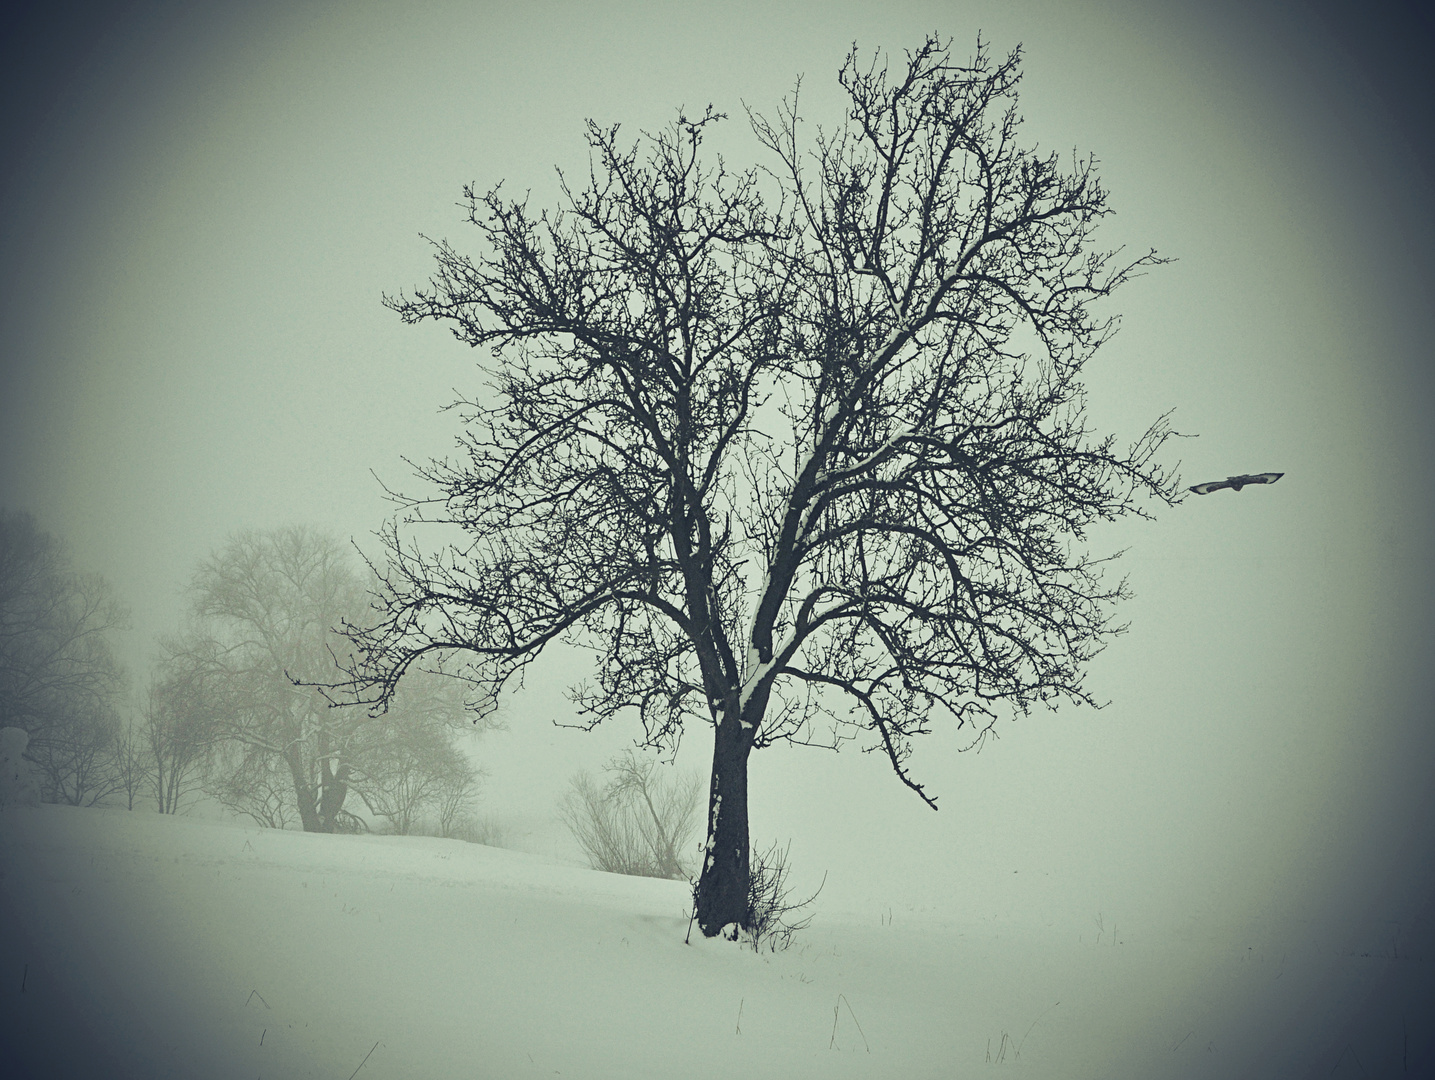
(332, 795)
(722, 887)
(164, 795)
(304, 794)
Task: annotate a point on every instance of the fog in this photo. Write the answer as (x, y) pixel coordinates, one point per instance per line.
(203, 209)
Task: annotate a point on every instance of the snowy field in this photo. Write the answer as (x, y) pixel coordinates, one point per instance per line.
(154, 947)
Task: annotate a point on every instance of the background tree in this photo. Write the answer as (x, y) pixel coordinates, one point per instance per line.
(254, 785)
(638, 822)
(422, 767)
(412, 765)
(76, 752)
(181, 722)
(59, 678)
(454, 807)
(783, 448)
(264, 608)
(131, 763)
(241, 697)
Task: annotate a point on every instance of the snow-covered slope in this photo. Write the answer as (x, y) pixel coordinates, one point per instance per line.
(145, 946)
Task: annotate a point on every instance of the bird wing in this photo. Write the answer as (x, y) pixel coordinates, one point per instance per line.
(1214, 485)
(1239, 482)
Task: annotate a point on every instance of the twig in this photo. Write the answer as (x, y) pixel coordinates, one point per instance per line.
(1001, 1048)
(255, 994)
(1349, 1050)
(361, 1064)
(739, 1017)
(841, 998)
(1029, 1030)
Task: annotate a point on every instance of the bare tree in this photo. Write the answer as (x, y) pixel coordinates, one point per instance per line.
(256, 785)
(131, 763)
(421, 770)
(455, 801)
(76, 755)
(59, 678)
(419, 759)
(411, 764)
(800, 452)
(773, 916)
(251, 675)
(265, 607)
(182, 720)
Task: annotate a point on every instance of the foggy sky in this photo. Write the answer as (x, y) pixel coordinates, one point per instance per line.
(203, 207)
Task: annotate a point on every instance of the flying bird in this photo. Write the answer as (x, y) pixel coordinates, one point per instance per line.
(1237, 482)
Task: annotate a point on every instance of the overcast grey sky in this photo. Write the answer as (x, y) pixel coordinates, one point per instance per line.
(204, 203)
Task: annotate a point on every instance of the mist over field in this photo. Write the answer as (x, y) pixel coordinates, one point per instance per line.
(1227, 870)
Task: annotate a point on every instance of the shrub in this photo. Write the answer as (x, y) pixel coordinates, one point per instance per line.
(638, 822)
(482, 829)
(770, 921)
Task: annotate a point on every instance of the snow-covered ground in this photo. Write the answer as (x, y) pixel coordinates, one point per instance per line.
(146, 946)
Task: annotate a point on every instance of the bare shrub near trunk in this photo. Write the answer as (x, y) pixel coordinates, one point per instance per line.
(636, 823)
(771, 915)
